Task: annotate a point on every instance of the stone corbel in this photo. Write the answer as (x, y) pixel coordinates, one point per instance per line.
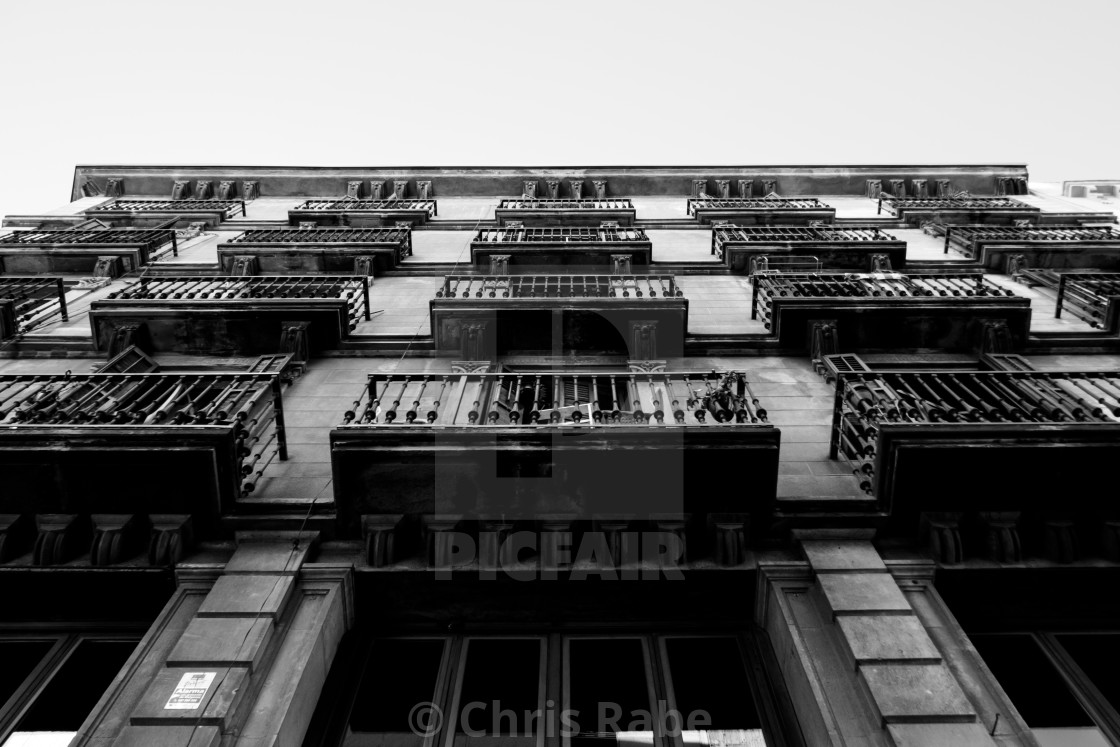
(469, 367)
(1059, 540)
(944, 541)
(308, 225)
(90, 189)
(122, 337)
(1016, 263)
(60, 538)
(600, 187)
(424, 190)
(881, 263)
(621, 264)
(227, 190)
(575, 186)
(114, 187)
(114, 538)
(874, 188)
(363, 266)
(700, 187)
(529, 189)
(746, 188)
(823, 340)
(637, 366)
(439, 539)
(400, 189)
(995, 337)
(499, 264)
(203, 190)
(723, 188)
(250, 190)
(294, 340)
(676, 525)
(108, 266)
(245, 264)
(493, 550)
(729, 538)
(181, 190)
(1002, 536)
(354, 190)
(944, 188)
(376, 189)
(898, 187)
(622, 544)
(1110, 539)
(552, 186)
(555, 541)
(170, 538)
(770, 187)
(643, 339)
(381, 532)
(920, 187)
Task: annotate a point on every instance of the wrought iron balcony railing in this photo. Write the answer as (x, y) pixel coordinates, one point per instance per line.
(877, 414)
(519, 203)
(558, 212)
(359, 206)
(1091, 296)
(789, 235)
(971, 238)
(212, 435)
(362, 213)
(555, 399)
(175, 289)
(335, 236)
(742, 247)
(761, 211)
(469, 287)
(952, 204)
(133, 206)
(25, 302)
(755, 203)
(576, 235)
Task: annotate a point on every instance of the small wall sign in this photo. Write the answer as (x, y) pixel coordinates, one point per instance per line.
(190, 692)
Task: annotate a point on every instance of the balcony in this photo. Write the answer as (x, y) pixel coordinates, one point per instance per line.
(976, 441)
(517, 247)
(1093, 297)
(762, 211)
(307, 251)
(231, 315)
(80, 250)
(136, 443)
(25, 302)
(479, 317)
(990, 210)
(1052, 247)
(887, 311)
(362, 213)
(742, 247)
(545, 212)
(141, 213)
(524, 445)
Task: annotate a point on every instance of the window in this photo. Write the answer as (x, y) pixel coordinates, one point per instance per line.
(557, 690)
(49, 684)
(1064, 686)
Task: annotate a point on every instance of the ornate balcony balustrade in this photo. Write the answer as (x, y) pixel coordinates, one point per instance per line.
(25, 302)
(996, 210)
(516, 247)
(231, 315)
(362, 213)
(82, 250)
(848, 248)
(593, 442)
(1091, 296)
(761, 211)
(482, 316)
(967, 441)
(547, 212)
(360, 251)
(148, 213)
(136, 443)
(888, 310)
(1013, 248)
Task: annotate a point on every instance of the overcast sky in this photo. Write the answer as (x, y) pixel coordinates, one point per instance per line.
(553, 83)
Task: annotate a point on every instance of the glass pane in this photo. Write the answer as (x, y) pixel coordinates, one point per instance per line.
(1031, 681)
(609, 692)
(1097, 655)
(399, 676)
(17, 659)
(76, 687)
(501, 686)
(709, 680)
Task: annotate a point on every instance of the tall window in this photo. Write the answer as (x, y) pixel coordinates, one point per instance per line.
(587, 690)
(50, 683)
(1066, 686)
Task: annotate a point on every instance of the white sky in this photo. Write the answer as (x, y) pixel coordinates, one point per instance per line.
(569, 82)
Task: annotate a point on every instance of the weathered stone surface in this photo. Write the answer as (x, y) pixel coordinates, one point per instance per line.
(218, 642)
(256, 595)
(267, 557)
(169, 736)
(916, 692)
(831, 556)
(886, 638)
(220, 700)
(856, 593)
(939, 735)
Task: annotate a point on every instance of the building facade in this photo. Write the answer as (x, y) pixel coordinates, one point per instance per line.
(546, 457)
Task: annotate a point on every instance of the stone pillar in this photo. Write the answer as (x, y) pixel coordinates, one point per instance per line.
(858, 662)
(238, 656)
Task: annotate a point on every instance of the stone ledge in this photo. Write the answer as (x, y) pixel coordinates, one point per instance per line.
(939, 735)
(221, 699)
(254, 595)
(882, 639)
(222, 642)
(169, 736)
(909, 693)
(863, 593)
(842, 556)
